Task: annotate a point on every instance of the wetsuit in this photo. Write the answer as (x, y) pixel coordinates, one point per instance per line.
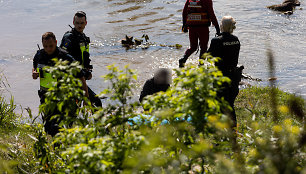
(151, 88)
(77, 44)
(40, 60)
(227, 47)
(199, 32)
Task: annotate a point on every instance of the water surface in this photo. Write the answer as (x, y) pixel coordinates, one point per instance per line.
(24, 21)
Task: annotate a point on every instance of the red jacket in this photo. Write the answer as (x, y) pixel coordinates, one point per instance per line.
(206, 4)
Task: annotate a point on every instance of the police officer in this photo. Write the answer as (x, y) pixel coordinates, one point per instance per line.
(160, 82)
(227, 47)
(77, 45)
(44, 58)
(197, 17)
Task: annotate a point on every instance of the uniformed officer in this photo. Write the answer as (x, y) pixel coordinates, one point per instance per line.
(227, 47)
(197, 17)
(44, 58)
(77, 45)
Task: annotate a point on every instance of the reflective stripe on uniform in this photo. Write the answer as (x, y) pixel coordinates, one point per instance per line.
(84, 47)
(46, 79)
(197, 16)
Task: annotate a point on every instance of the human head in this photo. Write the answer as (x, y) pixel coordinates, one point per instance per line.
(80, 21)
(49, 42)
(162, 76)
(228, 24)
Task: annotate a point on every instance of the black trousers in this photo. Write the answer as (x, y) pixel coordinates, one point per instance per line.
(231, 91)
(51, 125)
(94, 99)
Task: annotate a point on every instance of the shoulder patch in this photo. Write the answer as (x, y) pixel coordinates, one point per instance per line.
(66, 44)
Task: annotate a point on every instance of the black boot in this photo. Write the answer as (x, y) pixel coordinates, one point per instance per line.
(201, 60)
(182, 61)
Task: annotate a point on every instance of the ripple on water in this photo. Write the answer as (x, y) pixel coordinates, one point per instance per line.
(109, 21)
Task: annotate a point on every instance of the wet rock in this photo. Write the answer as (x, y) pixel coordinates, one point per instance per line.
(245, 84)
(138, 42)
(295, 2)
(248, 77)
(128, 41)
(272, 79)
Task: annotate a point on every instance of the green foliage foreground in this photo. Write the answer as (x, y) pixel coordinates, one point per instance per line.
(183, 130)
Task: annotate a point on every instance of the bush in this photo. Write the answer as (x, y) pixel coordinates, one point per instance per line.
(183, 131)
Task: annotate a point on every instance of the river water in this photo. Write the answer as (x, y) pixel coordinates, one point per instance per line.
(24, 21)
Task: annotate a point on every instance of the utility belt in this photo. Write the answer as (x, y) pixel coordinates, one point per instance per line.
(234, 73)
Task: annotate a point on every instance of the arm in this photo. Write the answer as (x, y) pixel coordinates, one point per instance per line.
(213, 47)
(84, 86)
(147, 90)
(212, 15)
(66, 43)
(185, 13)
(35, 74)
(237, 59)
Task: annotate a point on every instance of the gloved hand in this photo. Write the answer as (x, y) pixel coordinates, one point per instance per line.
(184, 29)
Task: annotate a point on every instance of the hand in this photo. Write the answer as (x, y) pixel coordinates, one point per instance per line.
(89, 77)
(218, 34)
(184, 29)
(89, 74)
(218, 31)
(35, 74)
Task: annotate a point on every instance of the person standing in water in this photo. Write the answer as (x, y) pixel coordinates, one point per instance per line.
(227, 47)
(197, 17)
(44, 58)
(77, 44)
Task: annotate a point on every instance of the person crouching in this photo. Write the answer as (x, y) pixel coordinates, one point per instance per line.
(160, 82)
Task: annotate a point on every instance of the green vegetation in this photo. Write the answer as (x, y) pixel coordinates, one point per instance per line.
(182, 130)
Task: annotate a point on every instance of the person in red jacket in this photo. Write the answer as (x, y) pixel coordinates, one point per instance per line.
(197, 17)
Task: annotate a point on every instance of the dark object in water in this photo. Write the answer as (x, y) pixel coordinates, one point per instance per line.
(138, 42)
(272, 79)
(248, 77)
(128, 41)
(295, 2)
(286, 7)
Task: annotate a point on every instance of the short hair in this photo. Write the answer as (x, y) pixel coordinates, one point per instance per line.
(228, 24)
(47, 36)
(80, 14)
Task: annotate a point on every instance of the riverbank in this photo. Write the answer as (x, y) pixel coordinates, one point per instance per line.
(17, 140)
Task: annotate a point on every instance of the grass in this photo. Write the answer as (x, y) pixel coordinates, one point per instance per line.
(16, 148)
(255, 101)
(16, 144)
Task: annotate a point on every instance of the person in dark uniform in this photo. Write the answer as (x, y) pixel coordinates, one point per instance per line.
(77, 45)
(44, 58)
(160, 82)
(197, 17)
(227, 47)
